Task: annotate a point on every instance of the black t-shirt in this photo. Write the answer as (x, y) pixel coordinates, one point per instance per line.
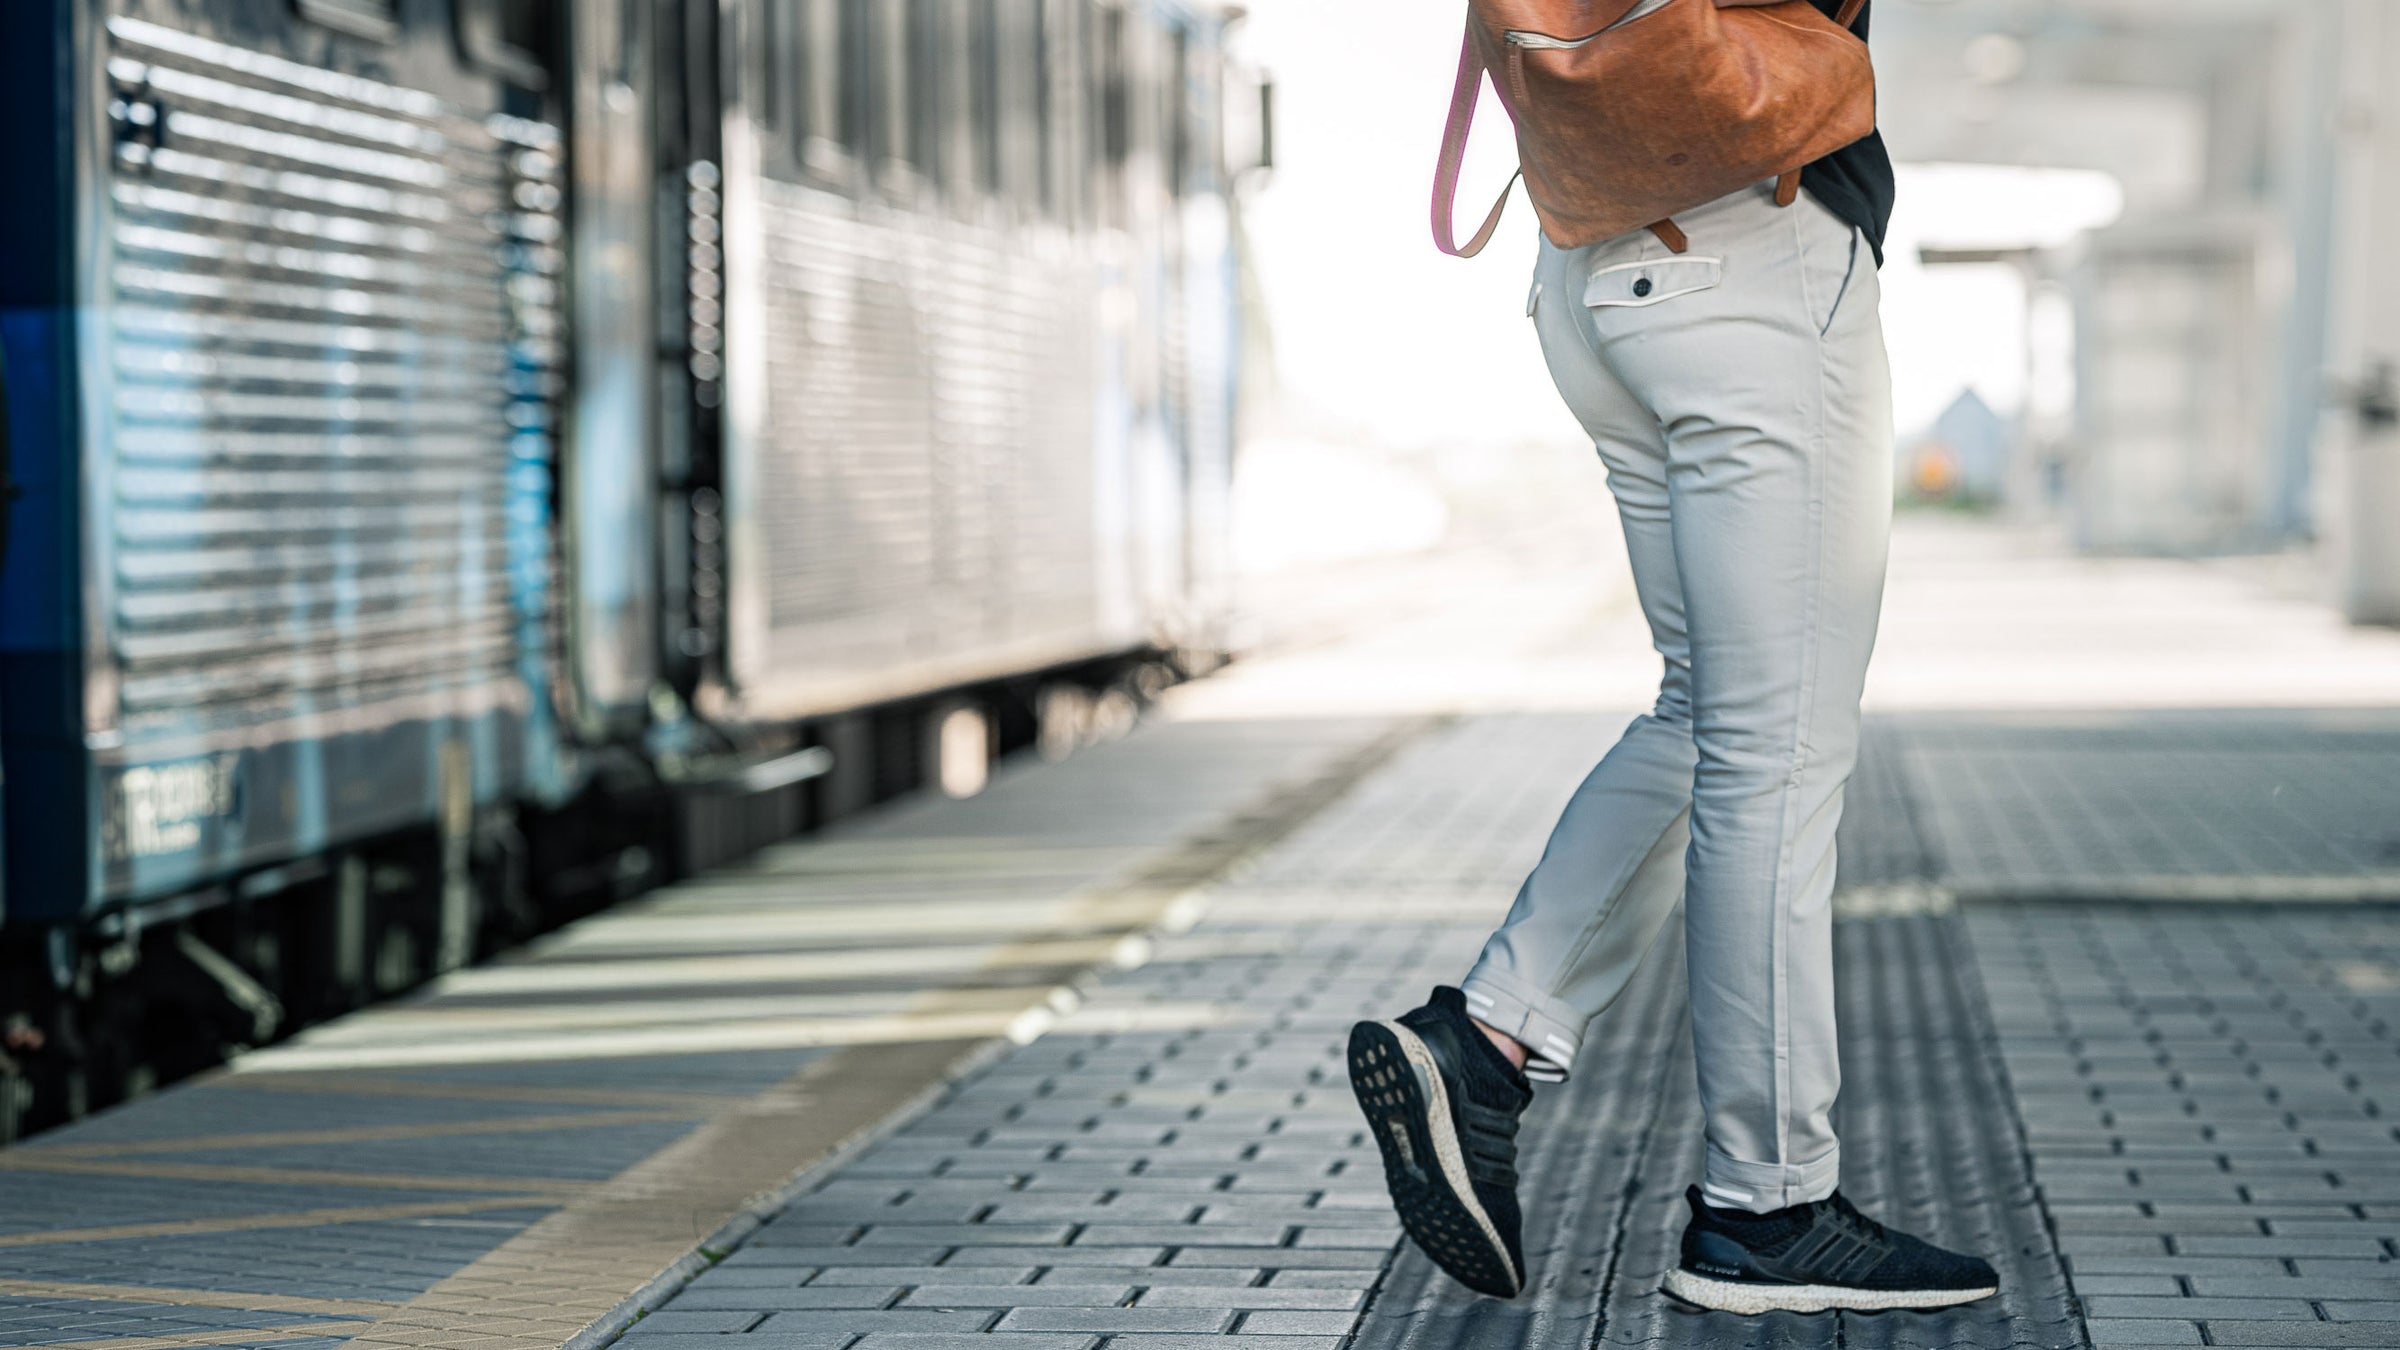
(1855, 182)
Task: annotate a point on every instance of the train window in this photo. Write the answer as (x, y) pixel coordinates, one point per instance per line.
(1019, 66)
(1068, 64)
(1177, 96)
(778, 30)
(507, 38)
(815, 97)
(858, 92)
(929, 91)
(377, 19)
(984, 101)
(1112, 115)
(892, 143)
(1049, 183)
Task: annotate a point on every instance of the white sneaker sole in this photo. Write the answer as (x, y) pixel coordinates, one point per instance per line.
(1750, 1300)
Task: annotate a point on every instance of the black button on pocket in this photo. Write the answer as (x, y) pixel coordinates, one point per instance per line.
(1642, 287)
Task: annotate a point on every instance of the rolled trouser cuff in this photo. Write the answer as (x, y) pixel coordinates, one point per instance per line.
(1729, 1183)
(1550, 1031)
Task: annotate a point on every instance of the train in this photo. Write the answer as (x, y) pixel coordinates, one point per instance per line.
(470, 461)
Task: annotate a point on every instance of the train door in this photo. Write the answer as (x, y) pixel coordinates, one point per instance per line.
(613, 421)
(298, 391)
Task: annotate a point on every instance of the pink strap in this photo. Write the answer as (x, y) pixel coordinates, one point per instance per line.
(1454, 153)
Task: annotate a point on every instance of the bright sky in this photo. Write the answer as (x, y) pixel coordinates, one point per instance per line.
(1376, 331)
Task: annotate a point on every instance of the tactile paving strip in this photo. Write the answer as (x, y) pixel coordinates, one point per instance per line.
(2247, 805)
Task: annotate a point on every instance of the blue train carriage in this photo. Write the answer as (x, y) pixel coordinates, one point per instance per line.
(959, 312)
(282, 316)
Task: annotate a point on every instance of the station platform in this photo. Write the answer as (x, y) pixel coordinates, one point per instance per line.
(1059, 1067)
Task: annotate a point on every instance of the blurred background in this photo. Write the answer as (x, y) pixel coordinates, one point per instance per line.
(2134, 295)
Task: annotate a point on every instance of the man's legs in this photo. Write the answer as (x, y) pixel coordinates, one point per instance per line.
(1773, 387)
(1740, 397)
(1741, 400)
(1613, 868)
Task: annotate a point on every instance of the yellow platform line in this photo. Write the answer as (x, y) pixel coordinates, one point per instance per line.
(367, 1085)
(631, 1013)
(307, 1218)
(289, 1331)
(539, 1288)
(364, 1134)
(197, 1298)
(284, 1176)
(780, 1033)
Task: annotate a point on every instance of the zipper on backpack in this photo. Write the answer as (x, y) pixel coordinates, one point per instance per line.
(1543, 42)
(1526, 39)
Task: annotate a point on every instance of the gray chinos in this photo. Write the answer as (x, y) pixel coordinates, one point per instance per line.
(1740, 396)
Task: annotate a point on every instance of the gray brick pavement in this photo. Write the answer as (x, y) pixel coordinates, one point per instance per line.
(2207, 1096)
(2155, 805)
(1204, 1093)
(2203, 1093)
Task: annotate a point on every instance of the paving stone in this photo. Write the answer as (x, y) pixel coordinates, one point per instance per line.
(1283, 1258)
(729, 1276)
(1017, 1296)
(2161, 1286)
(2359, 1248)
(1171, 1342)
(2346, 1310)
(756, 1340)
(2197, 1309)
(1253, 1297)
(772, 1255)
(810, 1235)
(1295, 1323)
(719, 1297)
(1379, 1239)
(2106, 1332)
(888, 1319)
(1360, 1280)
(974, 1235)
(672, 1319)
(916, 1275)
(752, 1341)
(1076, 1209)
(2318, 1268)
(2302, 1286)
(2380, 1335)
(1107, 1320)
(1078, 1255)
(2158, 1263)
(982, 1341)
(885, 1340)
(1197, 1234)
(1152, 1276)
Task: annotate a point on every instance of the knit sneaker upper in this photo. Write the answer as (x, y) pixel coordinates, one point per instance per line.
(1827, 1242)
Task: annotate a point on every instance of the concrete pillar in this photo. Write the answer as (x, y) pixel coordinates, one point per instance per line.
(2359, 470)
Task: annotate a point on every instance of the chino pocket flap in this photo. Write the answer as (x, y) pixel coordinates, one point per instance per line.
(1651, 281)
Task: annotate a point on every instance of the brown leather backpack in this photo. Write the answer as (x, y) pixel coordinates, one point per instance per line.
(1624, 122)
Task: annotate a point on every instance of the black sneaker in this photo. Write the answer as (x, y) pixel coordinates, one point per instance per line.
(1809, 1258)
(1443, 1104)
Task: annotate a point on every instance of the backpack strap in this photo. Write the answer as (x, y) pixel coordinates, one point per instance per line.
(1463, 96)
(1454, 153)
